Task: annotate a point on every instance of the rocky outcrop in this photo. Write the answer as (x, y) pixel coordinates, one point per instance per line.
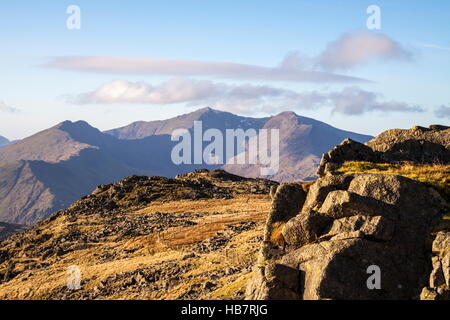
(347, 150)
(347, 227)
(271, 280)
(418, 145)
(436, 134)
(439, 281)
(156, 232)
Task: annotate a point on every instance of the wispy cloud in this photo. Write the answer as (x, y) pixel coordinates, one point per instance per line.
(354, 49)
(442, 112)
(244, 98)
(178, 67)
(432, 46)
(350, 101)
(173, 91)
(347, 52)
(7, 108)
(354, 101)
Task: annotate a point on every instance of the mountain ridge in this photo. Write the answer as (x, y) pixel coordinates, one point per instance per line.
(49, 170)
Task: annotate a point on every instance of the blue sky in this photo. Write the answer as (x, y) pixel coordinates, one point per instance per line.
(408, 73)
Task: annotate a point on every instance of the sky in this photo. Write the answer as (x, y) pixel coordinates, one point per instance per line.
(335, 61)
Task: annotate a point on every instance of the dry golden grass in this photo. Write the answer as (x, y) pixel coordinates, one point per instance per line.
(276, 236)
(229, 289)
(237, 204)
(167, 247)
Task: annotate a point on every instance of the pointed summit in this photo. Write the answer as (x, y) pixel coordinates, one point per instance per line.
(58, 143)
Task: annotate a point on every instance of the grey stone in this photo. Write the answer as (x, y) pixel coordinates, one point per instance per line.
(273, 282)
(441, 244)
(339, 204)
(320, 189)
(437, 275)
(287, 202)
(304, 228)
(376, 228)
(347, 150)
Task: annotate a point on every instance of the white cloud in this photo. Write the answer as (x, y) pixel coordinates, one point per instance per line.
(288, 71)
(358, 48)
(173, 91)
(350, 50)
(244, 98)
(432, 46)
(443, 112)
(7, 108)
(354, 101)
(349, 101)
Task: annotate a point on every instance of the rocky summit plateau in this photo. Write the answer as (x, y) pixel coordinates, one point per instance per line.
(375, 225)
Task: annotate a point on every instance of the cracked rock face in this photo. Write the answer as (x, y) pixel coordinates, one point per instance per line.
(347, 224)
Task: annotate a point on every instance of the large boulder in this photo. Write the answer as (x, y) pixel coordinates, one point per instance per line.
(417, 151)
(347, 150)
(393, 139)
(416, 203)
(338, 269)
(340, 203)
(319, 190)
(352, 225)
(304, 228)
(418, 145)
(378, 228)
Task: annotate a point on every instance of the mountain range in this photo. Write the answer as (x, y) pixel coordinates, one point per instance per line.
(48, 171)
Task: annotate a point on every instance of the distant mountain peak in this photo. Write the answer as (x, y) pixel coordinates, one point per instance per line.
(205, 109)
(80, 124)
(287, 114)
(208, 111)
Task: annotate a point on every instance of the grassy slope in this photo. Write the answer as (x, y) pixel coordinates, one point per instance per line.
(163, 251)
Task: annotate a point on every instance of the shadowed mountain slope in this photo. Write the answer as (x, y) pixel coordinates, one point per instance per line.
(7, 229)
(302, 140)
(51, 169)
(302, 143)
